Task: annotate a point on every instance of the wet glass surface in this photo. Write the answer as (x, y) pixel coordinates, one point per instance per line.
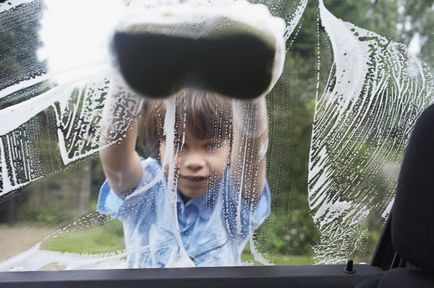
(338, 117)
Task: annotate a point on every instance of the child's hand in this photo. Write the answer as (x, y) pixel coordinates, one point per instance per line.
(250, 117)
(250, 129)
(122, 108)
(120, 161)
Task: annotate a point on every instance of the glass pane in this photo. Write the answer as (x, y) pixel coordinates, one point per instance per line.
(356, 76)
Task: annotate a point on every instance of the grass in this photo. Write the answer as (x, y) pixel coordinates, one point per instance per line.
(292, 259)
(108, 238)
(278, 259)
(100, 240)
(91, 241)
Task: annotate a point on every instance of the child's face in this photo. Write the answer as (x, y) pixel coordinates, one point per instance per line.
(200, 163)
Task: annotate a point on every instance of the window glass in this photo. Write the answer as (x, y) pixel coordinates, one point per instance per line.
(356, 76)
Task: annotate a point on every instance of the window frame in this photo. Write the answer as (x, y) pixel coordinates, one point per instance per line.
(319, 276)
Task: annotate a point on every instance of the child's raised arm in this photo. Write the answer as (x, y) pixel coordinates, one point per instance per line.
(250, 143)
(120, 161)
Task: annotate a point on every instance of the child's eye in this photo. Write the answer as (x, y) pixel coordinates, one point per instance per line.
(213, 145)
(179, 145)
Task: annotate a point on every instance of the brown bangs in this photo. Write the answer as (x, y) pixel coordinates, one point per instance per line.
(205, 114)
(200, 114)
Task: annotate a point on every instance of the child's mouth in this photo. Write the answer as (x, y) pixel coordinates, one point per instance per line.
(194, 179)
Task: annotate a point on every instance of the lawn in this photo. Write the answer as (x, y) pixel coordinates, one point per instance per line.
(91, 241)
(106, 239)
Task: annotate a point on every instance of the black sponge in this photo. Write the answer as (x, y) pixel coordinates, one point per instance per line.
(159, 65)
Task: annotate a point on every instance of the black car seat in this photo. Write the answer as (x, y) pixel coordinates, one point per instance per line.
(412, 222)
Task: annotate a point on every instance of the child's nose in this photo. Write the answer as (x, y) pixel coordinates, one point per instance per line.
(194, 162)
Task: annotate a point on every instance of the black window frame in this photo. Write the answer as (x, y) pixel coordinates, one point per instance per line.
(314, 276)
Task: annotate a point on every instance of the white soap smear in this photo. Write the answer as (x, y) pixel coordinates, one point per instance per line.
(74, 45)
(375, 91)
(8, 5)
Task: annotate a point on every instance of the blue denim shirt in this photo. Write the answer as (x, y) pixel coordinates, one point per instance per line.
(213, 228)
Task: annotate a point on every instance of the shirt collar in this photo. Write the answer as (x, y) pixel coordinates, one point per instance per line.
(206, 203)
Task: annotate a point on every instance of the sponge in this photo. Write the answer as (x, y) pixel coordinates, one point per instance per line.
(235, 50)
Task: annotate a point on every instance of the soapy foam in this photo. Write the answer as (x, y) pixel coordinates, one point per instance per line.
(4, 7)
(180, 257)
(363, 119)
(77, 128)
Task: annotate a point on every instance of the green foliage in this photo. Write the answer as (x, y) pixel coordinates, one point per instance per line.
(290, 233)
(18, 44)
(420, 15)
(98, 178)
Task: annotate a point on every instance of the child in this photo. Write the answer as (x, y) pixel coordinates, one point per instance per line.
(201, 191)
(216, 158)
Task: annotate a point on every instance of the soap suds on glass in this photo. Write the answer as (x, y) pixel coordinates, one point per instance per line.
(363, 118)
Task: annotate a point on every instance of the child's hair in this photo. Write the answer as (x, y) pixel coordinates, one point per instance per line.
(204, 114)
